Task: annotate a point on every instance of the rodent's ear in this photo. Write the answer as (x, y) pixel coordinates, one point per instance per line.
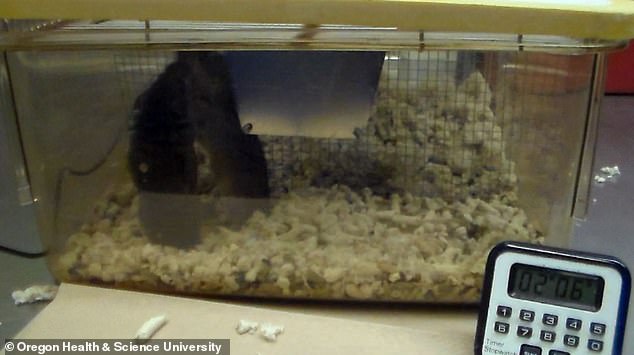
(191, 57)
(183, 56)
(215, 67)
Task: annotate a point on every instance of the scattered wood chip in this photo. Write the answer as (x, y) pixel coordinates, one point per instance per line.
(149, 328)
(36, 293)
(246, 326)
(271, 331)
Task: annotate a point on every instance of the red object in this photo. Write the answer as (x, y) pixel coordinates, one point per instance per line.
(620, 79)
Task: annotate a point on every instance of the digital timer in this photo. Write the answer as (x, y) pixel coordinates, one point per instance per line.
(539, 300)
(558, 287)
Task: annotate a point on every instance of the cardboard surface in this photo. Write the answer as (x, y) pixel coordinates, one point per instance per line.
(81, 312)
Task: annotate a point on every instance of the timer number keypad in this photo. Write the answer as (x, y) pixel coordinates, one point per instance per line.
(573, 323)
(595, 345)
(524, 332)
(597, 328)
(550, 319)
(530, 350)
(571, 341)
(501, 327)
(548, 336)
(527, 316)
(504, 312)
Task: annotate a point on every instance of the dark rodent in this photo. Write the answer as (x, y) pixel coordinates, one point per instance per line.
(191, 104)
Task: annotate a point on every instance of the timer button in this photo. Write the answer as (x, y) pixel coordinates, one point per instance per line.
(574, 324)
(530, 350)
(526, 315)
(597, 328)
(501, 327)
(595, 345)
(571, 340)
(524, 332)
(550, 319)
(547, 336)
(504, 311)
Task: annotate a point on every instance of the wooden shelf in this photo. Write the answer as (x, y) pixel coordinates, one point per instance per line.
(593, 19)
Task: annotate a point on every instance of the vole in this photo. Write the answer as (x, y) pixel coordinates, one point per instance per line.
(190, 112)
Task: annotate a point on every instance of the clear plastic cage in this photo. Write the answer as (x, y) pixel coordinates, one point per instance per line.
(297, 161)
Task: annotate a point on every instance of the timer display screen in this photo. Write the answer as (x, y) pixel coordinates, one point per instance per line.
(558, 287)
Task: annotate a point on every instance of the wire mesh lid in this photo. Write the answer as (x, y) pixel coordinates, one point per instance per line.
(592, 19)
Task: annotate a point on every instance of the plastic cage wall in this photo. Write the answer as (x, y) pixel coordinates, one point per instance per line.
(291, 161)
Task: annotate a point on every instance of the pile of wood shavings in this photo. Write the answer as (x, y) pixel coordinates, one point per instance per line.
(317, 243)
(440, 141)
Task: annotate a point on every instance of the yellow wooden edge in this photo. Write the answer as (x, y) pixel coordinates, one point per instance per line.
(612, 21)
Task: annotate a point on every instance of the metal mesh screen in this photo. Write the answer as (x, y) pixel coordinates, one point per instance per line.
(139, 69)
(432, 133)
(440, 126)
